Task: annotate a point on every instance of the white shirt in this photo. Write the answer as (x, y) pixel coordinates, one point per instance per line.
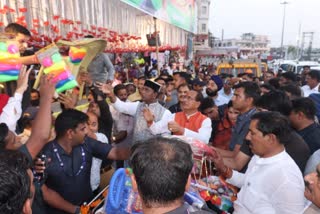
(122, 122)
(203, 133)
(220, 100)
(160, 127)
(221, 93)
(96, 165)
(307, 90)
(269, 186)
(12, 112)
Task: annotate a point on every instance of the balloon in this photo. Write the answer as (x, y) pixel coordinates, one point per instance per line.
(13, 49)
(76, 55)
(47, 62)
(67, 86)
(5, 67)
(62, 82)
(56, 66)
(6, 55)
(6, 78)
(56, 58)
(60, 66)
(10, 72)
(3, 46)
(10, 61)
(61, 76)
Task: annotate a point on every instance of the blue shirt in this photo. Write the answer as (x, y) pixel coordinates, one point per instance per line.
(311, 136)
(64, 180)
(240, 130)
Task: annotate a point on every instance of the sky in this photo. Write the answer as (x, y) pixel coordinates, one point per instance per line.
(264, 17)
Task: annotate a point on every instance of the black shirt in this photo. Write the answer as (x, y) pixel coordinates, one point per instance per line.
(295, 147)
(71, 183)
(23, 149)
(311, 136)
(175, 108)
(38, 206)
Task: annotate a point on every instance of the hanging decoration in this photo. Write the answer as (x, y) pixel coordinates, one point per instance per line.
(56, 23)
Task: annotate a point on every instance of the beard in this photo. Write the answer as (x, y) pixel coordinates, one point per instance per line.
(35, 102)
(211, 93)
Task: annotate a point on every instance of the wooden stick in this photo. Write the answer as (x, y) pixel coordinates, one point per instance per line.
(36, 83)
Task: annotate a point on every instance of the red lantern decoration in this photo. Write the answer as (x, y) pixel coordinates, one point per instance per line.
(22, 10)
(56, 17)
(1, 24)
(46, 23)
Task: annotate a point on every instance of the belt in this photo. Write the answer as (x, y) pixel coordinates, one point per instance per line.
(105, 169)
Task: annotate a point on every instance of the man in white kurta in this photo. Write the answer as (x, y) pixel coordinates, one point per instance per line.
(150, 118)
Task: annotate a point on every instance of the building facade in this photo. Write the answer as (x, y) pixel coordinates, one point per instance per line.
(248, 44)
(201, 39)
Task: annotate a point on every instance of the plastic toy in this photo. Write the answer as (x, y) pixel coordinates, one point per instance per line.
(76, 55)
(121, 198)
(54, 65)
(9, 64)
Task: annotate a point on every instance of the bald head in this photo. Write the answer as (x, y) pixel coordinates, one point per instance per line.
(93, 122)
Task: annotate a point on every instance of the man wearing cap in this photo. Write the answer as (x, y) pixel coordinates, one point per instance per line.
(213, 86)
(149, 116)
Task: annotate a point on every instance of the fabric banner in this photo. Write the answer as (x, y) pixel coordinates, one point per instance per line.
(181, 13)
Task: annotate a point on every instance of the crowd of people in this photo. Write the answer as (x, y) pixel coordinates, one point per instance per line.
(264, 131)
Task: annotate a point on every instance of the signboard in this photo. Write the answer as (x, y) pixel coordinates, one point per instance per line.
(180, 13)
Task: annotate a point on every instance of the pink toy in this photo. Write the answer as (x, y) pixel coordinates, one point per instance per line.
(47, 62)
(8, 67)
(13, 49)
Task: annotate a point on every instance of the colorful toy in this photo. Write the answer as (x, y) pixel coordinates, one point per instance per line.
(76, 55)
(9, 64)
(54, 65)
(217, 191)
(121, 198)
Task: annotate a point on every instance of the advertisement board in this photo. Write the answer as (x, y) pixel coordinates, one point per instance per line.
(181, 13)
